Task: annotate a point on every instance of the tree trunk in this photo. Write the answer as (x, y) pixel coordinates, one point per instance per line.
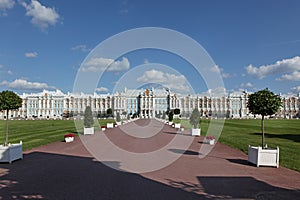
(6, 134)
(263, 131)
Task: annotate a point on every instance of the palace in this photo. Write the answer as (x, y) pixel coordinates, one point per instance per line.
(143, 103)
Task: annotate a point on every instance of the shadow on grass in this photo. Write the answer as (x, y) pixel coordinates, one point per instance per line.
(292, 137)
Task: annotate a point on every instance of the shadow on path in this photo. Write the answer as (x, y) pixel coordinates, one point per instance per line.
(53, 176)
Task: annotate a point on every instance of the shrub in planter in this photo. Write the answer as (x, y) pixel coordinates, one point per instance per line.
(88, 121)
(263, 103)
(9, 101)
(194, 121)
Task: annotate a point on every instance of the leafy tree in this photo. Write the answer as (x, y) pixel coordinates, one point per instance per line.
(9, 101)
(263, 102)
(176, 111)
(195, 118)
(170, 115)
(109, 112)
(88, 117)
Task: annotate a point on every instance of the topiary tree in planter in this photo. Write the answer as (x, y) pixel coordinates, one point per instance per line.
(88, 117)
(264, 103)
(195, 118)
(9, 101)
(194, 121)
(88, 121)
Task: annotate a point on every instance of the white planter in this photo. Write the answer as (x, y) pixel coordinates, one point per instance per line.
(11, 152)
(109, 125)
(263, 157)
(182, 129)
(88, 131)
(119, 123)
(103, 129)
(211, 142)
(196, 131)
(177, 125)
(69, 139)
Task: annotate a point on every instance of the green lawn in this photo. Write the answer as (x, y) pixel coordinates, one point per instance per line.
(236, 133)
(35, 133)
(239, 134)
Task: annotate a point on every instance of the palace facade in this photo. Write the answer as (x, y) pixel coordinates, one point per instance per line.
(142, 103)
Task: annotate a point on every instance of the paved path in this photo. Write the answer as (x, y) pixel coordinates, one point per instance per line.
(67, 171)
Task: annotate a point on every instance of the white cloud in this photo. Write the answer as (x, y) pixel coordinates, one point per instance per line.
(219, 70)
(22, 84)
(100, 64)
(172, 81)
(279, 67)
(31, 54)
(81, 47)
(42, 16)
(6, 4)
(102, 89)
(295, 76)
(9, 72)
(246, 85)
(146, 61)
(296, 89)
(1, 66)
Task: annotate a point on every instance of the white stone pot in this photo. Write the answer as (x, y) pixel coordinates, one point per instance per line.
(263, 157)
(69, 139)
(177, 125)
(11, 152)
(88, 131)
(196, 131)
(110, 125)
(211, 142)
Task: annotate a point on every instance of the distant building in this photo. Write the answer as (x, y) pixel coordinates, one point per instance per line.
(143, 103)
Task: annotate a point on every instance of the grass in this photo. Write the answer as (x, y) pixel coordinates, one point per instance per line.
(236, 133)
(239, 134)
(34, 133)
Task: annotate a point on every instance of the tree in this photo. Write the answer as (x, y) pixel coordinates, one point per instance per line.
(9, 101)
(195, 118)
(263, 102)
(176, 111)
(88, 117)
(109, 112)
(170, 115)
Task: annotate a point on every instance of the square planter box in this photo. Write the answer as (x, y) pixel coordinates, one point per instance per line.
(69, 139)
(196, 131)
(263, 157)
(119, 123)
(211, 142)
(110, 125)
(11, 152)
(88, 131)
(177, 125)
(103, 128)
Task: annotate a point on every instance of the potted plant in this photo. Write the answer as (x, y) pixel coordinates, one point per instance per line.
(194, 121)
(88, 121)
(69, 137)
(103, 128)
(263, 103)
(118, 119)
(210, 139)
(10, 152)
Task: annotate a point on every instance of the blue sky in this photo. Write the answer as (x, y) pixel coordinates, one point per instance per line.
(254, 44)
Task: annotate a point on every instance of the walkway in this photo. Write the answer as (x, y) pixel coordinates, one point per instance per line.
(67, 171)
